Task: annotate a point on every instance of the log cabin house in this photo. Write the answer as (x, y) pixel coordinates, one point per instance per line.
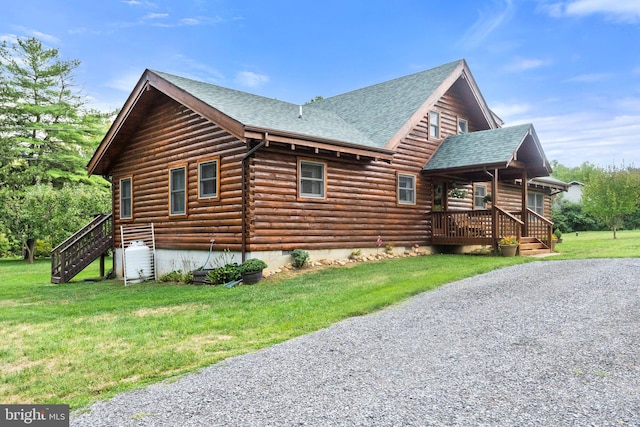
(411, 160)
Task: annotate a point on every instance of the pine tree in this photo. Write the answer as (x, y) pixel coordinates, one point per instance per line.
(45, 135)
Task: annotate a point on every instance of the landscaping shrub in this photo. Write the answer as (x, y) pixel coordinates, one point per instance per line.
(300, 258)
(227, 273)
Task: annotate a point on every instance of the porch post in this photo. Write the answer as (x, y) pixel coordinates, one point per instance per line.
(494, 211)
(525, 199)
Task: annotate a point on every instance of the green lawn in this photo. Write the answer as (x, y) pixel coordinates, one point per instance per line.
(599, 244)
(79, 342)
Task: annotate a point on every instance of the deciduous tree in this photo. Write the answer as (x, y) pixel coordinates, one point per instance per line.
(611, 194)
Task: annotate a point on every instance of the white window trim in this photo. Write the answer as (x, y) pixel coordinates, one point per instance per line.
(436, 126)
(130, 216)
(484, 204)
(411, 190)
(466, 122)
(534, 208)
(215, 160)
(171, 191)
(323, 180)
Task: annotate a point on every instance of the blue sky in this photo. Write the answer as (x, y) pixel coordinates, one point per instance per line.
(571, 67)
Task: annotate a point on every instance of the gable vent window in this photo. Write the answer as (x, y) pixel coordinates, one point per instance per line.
(178, 191)
(434, 124)
(312, 179)
(463, 126)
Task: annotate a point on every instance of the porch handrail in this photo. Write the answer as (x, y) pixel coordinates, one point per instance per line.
(507, 225)
(79, 250)
(540, 227)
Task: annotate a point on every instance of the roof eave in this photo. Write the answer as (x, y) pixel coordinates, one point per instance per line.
(318, 142)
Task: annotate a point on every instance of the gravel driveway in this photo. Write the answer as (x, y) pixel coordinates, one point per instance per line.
(554, 343)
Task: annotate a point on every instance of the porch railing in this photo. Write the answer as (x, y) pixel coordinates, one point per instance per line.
(508, 224)
(538, 226)
(462, 227)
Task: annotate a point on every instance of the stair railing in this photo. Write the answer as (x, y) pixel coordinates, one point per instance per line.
(78, 251)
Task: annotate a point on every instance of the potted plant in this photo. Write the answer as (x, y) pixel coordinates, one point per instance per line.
(251, 271)
(508, 245)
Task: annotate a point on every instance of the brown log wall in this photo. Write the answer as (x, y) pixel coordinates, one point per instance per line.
(172, 135)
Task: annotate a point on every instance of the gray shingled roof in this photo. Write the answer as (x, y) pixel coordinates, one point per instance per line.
(382, 109)
(367, 117)
(486, 147)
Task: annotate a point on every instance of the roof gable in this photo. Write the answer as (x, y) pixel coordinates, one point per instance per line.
(491, 148)
(381, 110)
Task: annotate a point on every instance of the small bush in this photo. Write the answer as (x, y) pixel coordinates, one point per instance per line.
(225, 274)
(177, 276)
(300, 258)
(252, 265)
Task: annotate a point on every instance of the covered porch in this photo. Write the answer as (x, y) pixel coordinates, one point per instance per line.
(504, 158)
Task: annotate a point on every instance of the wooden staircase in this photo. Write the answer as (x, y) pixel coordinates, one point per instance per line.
(78, 251)
(532, 246)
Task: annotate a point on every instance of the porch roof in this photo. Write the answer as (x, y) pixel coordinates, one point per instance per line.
(510, 149)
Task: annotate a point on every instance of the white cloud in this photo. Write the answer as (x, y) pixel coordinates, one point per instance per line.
(155, 16)
(488, 21)
(593, 136)
(589, 78)
(524, 64)
(251, 79)
(505, 111)
(616, 10)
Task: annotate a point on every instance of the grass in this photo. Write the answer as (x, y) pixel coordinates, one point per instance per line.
(80, 342)
(599, 244)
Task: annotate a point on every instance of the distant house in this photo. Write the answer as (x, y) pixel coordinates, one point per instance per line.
(574, 192)
(419, 160)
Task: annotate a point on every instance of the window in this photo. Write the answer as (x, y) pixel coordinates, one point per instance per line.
(536, 203)
(463, 126)
(126, 198)
(406, 189)
(208, 179)
(434, 124)
(479, 194)
(312, 181)
(178, 191)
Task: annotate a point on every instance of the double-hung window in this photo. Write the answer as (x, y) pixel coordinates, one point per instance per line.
(536, 203)
(312, 179)
(434, 124)
(479, 194)
(406, 189)
(178, 191)
(208, 182)
(126, 198)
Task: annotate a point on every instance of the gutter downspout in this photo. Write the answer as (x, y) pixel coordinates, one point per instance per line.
(244, 194)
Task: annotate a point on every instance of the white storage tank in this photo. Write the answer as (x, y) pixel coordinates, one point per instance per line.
(138, 259)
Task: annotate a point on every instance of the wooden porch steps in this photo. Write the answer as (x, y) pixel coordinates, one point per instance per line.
(532, 246)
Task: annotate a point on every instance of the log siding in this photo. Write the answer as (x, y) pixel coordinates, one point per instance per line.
(171, 136)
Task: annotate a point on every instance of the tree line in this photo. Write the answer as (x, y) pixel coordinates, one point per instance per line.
(47, 136)
(610, 198)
